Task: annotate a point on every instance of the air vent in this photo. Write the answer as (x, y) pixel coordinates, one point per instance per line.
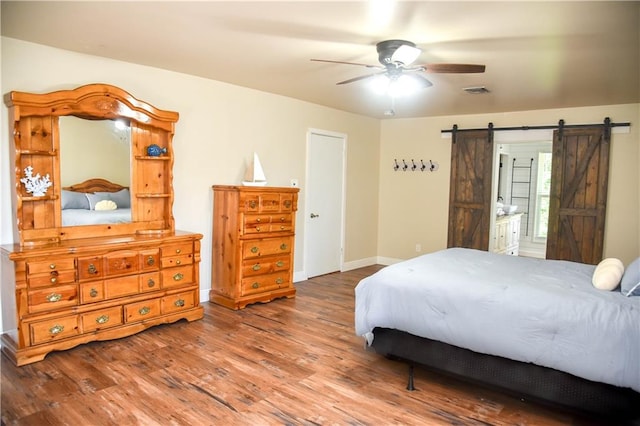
(476, 90)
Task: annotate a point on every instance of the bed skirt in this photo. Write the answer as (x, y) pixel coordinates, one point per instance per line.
(523, 380)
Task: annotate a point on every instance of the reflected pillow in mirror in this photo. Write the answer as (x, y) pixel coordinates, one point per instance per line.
(106, 205)
(122, 198)
(630, 284)
(74, 200)
(96, 198)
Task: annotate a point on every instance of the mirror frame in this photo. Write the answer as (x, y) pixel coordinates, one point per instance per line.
(34, 120)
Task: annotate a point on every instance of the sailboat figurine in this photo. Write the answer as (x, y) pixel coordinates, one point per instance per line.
(254, 175)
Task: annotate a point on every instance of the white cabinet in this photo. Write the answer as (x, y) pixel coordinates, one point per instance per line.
(507, 234)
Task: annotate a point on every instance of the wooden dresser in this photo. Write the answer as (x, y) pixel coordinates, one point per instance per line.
(79, 291)
(253, 242)
(66, 283)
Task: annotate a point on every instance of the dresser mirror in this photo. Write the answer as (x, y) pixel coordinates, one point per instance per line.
(70, 137)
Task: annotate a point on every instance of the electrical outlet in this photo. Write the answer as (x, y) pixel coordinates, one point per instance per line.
(418, 248)
(294, 183)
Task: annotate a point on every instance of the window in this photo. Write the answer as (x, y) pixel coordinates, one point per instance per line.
(543, 188)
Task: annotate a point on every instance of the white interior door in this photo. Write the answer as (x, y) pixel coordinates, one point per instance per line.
(324, 207)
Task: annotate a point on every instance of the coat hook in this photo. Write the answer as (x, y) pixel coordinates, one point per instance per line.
(396, 166)
(424, 166)
(405, 165)
(433, 167)
(414, 166)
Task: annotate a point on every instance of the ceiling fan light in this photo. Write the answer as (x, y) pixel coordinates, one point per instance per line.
(404, 86)
(405, 54)
(380, 84)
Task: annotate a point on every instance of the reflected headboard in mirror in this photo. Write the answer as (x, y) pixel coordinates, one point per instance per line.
(37, 136)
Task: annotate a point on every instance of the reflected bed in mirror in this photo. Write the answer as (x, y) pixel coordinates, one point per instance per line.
(95, 201)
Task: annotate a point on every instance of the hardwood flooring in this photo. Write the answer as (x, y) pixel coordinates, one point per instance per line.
(291, 362)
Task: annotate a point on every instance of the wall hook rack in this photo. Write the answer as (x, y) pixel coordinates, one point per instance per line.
(432, 166)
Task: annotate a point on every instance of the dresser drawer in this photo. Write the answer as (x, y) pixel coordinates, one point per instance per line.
(149, 260)
(54, 277)
(119, 287)
(90, 268)
(262, 283)
(53, 329)
(149, 282)
(266, 247)
(53, 298)
(257, 224)
(169, 262)
(121, 263)
(91, 292)
(177, 302)
(142, 310)
(177, 276)
(39, 267)
(265, 265)
(101, 319)
(180, 249)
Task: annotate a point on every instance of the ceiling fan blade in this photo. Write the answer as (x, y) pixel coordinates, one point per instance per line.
(345, 63)
(422, 80)
(362, 77)
(453, 68)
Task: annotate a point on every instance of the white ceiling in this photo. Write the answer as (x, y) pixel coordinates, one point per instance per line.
(538, 55)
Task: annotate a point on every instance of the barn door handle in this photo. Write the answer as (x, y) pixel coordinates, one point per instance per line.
(313, 215)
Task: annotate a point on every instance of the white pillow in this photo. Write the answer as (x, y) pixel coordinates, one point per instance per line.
(607, 274)
(106, 205)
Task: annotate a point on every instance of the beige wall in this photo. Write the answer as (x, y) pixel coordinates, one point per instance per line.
(220, 127)
(421, 199)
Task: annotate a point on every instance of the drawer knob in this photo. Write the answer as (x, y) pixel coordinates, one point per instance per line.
(178, 277)
(281, 227)
(254, 249)
(54, 297)
(283, 246)
(52, 266)
(252, 204)
(92, 269)
(102, 319)
(144, 310)
(287, 203)
(53, 280)
(178, 251)
(258, 228)
(279, 280)
(150, 261)
(93, 292)
(150, 282)
(179, 303)
(178, 262)
(56, 329)
(256, 267)
(258, 220)
(255, 285)
(279, 263)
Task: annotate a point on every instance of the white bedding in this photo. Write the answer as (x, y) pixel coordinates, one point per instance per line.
(545, 312)
(76, 217)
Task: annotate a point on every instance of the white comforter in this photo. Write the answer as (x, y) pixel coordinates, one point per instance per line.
(545, 312)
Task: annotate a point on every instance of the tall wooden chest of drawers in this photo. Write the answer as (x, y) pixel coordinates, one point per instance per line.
(253, 241)
(64, 294)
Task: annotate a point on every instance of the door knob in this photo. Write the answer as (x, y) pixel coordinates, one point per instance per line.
(313, 215)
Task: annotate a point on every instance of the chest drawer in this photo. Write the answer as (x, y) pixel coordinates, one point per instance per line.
(90, 268)
(52, 298)
(177, 276)
(262, 283)
(265, 266)
(149, 282)
(266, 247)
(149, 260)
(51, 278)
(121, 263)
(103, 318)
(142, 310)
(91, 292)
(177, 302)
(53, 329)
(46, 266)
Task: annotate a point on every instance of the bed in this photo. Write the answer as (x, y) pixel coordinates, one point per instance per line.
(535, 328)
(95, 201)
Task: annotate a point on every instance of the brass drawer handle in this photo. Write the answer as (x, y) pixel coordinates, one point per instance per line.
(151, 261)
(144, 310)
(282, 219)
(283, 246)
(279, 281)
(179, 303)
(254, 249)
(252, 204)
(281, 227)
(93, 292)
(102, 319)
(287, 203)
(178, 277)
(150, 282)
(256, 267)
(53, 280)
(52, 266)
(255, 285)
(178, 262)
(258, 228)
(56, 329)
(54, 297)
(279, 263)
(258, 220)
(92, 269)
(178, 251)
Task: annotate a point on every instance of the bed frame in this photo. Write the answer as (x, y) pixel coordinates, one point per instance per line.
(95, 185)
(522, 380)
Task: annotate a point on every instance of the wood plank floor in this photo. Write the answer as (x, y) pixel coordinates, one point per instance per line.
(291, 361)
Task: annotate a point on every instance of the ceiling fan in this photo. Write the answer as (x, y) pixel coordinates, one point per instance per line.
(397, 57)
